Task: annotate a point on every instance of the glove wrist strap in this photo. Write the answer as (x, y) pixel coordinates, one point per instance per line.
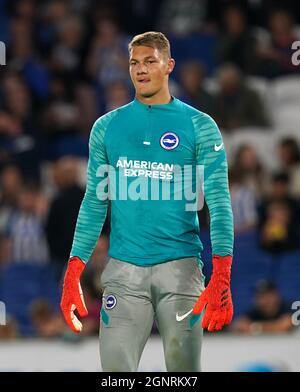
(76, 266)
(222, 265)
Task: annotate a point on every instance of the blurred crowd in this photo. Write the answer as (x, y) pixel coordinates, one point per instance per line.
(67, 64)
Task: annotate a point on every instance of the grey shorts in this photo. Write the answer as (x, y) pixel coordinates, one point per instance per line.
(134, 296)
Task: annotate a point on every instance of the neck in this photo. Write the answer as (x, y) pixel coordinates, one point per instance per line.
(162, 97)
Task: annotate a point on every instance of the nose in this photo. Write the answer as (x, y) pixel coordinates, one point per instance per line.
(141, 68)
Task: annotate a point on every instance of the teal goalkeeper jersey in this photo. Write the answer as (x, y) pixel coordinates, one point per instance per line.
(154, 162)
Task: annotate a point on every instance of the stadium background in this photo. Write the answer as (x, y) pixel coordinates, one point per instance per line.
(67, 64)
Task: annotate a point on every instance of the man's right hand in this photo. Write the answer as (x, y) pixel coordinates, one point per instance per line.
(72, 296)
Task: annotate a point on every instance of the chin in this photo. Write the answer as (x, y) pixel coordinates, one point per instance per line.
(147, 94)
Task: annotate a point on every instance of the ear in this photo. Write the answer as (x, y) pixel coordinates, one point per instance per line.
(171, 65)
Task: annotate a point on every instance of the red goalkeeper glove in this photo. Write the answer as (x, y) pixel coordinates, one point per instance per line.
(72, 297)
(217, 296)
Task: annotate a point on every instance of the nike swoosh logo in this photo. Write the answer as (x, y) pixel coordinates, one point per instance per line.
(218, 148)
(180, 318)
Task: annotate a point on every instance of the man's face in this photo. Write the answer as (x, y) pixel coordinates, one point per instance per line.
(149, 69)
(268, 302)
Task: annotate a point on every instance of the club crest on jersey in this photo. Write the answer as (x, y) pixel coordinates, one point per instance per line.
(110, 302)
(169, 141)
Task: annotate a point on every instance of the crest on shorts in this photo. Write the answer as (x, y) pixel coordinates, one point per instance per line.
(110, 302)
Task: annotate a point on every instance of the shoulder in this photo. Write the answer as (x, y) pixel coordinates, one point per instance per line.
(196, 116)
(108, 118)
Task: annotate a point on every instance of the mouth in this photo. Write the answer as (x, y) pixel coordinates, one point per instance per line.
(143, 80)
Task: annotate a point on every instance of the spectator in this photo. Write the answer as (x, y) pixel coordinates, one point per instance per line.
(46, 321)
(116, 94)
(243, 203)
(86, 101)
(63, 211)
(67, 54)
(269, 314)
(62, 121)
(51, 15)
(108, 58)
(138, 16)
(23, 57)
(182, 18)
(275, 56)
(5, 250)
(18, 100)
(289, 159)
(25, 228)
(10, 186)
(236, 104)
(258, 10)
(18, 125)
(61, 115)
(250, 170)
(279, 217)
(236, 42)
(275, 234)
(194, 93)
(9, 127)
(9, 331)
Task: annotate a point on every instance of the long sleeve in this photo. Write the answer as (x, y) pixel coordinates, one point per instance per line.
(93, 208)
(210, 153)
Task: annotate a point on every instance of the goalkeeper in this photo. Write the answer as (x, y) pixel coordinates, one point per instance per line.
(155, 267)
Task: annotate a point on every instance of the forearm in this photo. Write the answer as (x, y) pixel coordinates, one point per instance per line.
(211, 156)
(89, 224)
(217, 197)
(221, 226)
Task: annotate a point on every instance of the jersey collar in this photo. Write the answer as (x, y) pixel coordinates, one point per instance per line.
(142, 105)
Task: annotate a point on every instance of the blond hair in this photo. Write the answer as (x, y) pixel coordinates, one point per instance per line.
(153, 39)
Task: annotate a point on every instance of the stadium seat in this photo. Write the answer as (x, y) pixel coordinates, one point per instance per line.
(211, 85)
(260, 85)
(287, 119)
(20, 285)
(283, 132)
(250, 265)
(289, 276)
(261, 139)
(286, 90)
